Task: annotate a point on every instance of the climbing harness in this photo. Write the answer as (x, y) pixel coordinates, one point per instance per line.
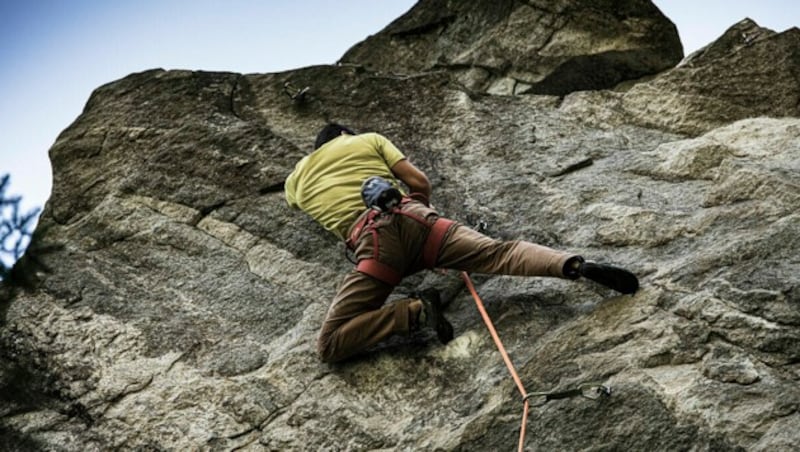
(367, 224)
(588, 390)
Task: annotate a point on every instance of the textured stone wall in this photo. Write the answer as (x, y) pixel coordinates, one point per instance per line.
(182, 310)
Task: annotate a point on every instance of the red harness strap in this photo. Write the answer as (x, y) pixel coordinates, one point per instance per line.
(380, 271)
(430, 252)
(385, 273)
(364, 221)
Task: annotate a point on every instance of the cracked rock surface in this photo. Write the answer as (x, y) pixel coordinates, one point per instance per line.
(182, 310)
(516, 46)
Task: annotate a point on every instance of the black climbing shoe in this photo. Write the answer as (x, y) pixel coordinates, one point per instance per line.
(616, 278)
(432, 316)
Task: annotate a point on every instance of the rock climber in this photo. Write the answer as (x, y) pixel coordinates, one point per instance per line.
(351, 185)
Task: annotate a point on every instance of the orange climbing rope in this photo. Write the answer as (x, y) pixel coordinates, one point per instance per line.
(504, 354)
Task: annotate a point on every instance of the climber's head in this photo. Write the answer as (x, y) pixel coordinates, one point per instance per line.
(329, 132)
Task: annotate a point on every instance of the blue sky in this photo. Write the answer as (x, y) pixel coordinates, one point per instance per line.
(53, 53)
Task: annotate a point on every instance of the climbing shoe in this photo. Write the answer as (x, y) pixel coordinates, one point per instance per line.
(616, 278)
(432, 315)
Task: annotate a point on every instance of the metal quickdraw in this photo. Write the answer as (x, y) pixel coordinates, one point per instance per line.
(297, 96)
(589, 390)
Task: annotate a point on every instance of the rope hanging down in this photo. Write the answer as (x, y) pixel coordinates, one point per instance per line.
(588, 390)
(504, 354)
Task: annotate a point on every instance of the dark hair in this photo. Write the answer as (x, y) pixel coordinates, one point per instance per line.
(329, 132)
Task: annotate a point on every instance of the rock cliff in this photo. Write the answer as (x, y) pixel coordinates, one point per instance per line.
(513, 47)
(182, 308)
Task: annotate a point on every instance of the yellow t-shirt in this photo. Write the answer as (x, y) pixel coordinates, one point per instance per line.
(326, 184)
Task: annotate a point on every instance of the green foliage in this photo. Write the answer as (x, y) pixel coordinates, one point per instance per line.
(15, 227)
(18, 267)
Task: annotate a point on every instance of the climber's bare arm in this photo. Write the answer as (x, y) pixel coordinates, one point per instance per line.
(413, 177)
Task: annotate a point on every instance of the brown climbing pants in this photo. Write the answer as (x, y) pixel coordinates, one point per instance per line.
(359, 316)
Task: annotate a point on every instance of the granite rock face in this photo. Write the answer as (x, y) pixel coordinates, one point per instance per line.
(183, 307)
(513, 46)
(749, 71)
